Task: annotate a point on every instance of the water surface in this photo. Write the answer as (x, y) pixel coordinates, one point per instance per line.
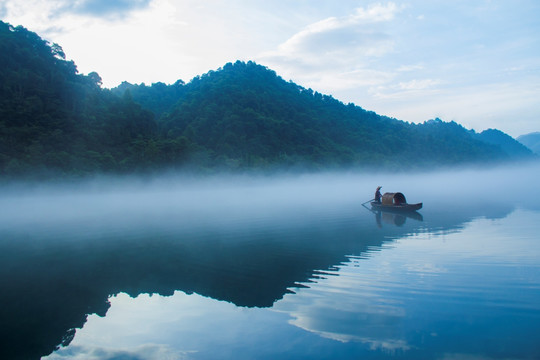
(290, 267)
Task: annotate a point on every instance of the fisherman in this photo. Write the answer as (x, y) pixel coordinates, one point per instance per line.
(378, 194)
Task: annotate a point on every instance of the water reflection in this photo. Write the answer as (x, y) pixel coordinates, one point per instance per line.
(421, 296)
(252, 251)
(49, 291)
(464, 292)
(397, 219)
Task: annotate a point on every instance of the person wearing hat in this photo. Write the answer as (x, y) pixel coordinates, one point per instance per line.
(378, 194)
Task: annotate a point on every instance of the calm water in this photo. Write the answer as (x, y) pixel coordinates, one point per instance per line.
(282, 268)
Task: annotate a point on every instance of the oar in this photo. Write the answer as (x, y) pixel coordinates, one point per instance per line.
(369, 209)
(367, 201)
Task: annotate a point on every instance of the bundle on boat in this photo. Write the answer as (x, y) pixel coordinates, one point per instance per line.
(395, 201)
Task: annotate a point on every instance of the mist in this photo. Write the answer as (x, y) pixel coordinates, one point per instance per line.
(172, 202)
(67, 247)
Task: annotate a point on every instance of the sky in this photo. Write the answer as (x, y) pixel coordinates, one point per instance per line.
(476, 62)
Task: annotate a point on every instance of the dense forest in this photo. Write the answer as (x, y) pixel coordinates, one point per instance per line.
(55, 121)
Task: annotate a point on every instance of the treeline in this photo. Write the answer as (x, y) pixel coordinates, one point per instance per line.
(55, 121)
(244, 115)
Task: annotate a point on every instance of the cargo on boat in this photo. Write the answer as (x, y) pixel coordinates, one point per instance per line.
(395, 202)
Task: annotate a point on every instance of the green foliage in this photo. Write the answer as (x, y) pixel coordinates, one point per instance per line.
(507, 143)
(158, 98)
(54, 120)
(246, 115)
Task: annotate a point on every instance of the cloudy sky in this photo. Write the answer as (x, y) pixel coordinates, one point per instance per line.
(473, 61)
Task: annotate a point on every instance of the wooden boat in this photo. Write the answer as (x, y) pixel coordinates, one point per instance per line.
(400, 207)
(395, 202)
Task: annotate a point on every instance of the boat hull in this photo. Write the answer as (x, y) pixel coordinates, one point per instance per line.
(396, 208)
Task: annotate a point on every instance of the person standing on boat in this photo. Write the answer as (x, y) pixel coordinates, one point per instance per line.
(378, 194)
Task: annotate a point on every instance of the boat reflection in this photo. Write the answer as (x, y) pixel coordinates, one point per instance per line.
(397, 219)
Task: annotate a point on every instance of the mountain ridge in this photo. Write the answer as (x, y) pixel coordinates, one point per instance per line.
(240, 103)
(506, 142)
(531, 140)
(57, 122)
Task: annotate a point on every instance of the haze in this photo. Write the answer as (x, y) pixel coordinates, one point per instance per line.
(128, 205)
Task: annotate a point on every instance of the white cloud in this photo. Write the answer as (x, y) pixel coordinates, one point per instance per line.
(349, 33)
(377, 12)
(334, 54)
(138, 49)
(33, 14)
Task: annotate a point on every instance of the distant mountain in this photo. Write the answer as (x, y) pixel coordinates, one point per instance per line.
(504, 141)
(532, 141)
(55, 121)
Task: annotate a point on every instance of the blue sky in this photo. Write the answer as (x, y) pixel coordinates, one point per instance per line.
(474, 62)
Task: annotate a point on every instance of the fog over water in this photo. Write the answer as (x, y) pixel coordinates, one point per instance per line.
(273, 257)
(172, 202)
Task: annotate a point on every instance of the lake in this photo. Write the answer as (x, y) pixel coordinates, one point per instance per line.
(282, 267)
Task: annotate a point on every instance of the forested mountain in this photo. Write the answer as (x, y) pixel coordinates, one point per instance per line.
(507, 143)
(244, 115)
(532, 141)
(158, 98)
(54, 120)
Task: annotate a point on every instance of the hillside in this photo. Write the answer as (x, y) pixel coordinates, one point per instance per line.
(55, 121)
(244, 115)
(507, 143)
(532, 141)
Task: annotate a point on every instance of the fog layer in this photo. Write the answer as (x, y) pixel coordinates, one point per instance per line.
(172, 202)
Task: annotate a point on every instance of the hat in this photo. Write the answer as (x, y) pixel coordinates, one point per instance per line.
(378, 187)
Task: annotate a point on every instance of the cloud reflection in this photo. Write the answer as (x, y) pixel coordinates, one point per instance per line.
(247, 240)
(349, 308)
(389, 299)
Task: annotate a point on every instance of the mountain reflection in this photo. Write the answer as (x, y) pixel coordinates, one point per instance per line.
(426, 296)
(54, 276)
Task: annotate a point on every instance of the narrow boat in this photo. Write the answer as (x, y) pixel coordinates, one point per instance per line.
(395, 202)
